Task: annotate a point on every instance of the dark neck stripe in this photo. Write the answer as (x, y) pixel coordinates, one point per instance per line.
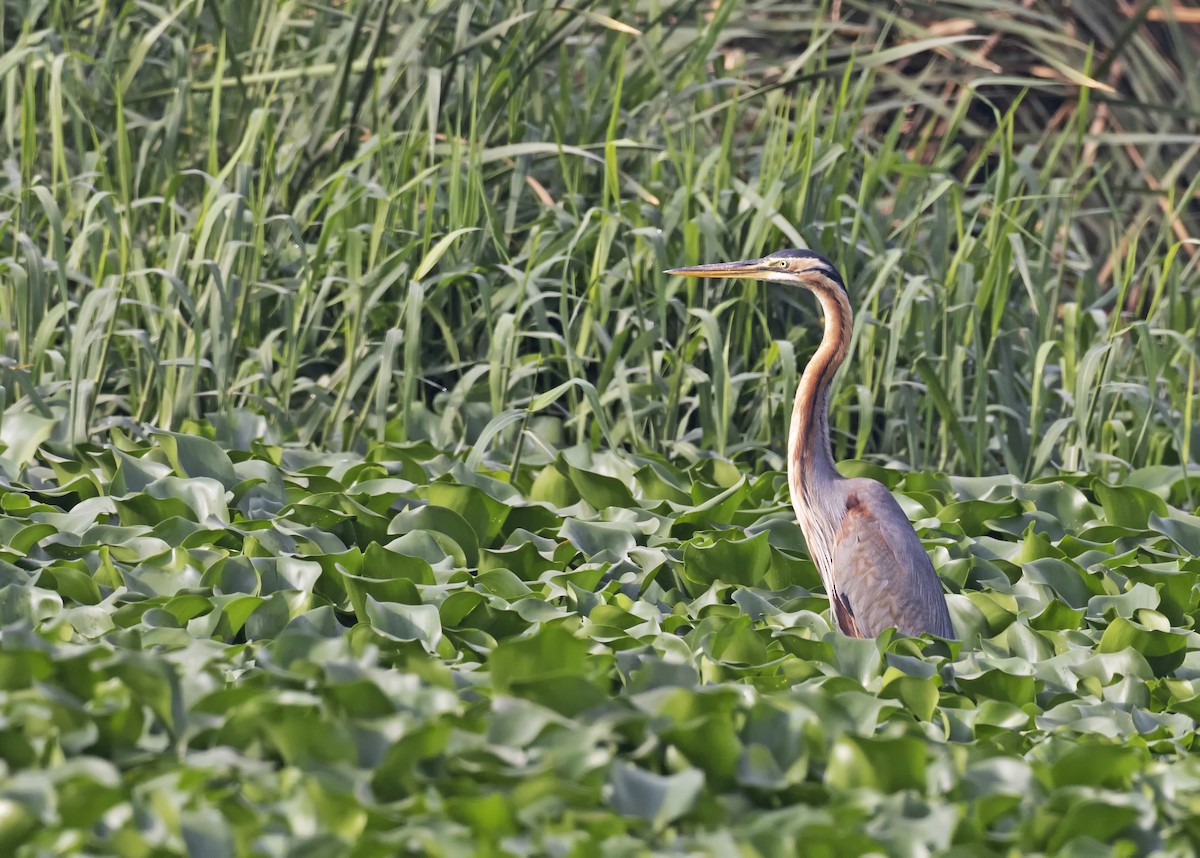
(812, 401)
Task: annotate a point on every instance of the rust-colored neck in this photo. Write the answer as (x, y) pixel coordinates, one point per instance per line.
(810, 457)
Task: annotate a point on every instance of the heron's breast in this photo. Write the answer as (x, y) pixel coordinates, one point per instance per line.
(820, 516)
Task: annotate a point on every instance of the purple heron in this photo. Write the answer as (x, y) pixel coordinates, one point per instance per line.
(875, 570)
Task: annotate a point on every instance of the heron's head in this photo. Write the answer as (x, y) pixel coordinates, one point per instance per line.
(795, 267)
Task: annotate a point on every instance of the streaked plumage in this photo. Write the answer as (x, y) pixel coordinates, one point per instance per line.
(874, 567)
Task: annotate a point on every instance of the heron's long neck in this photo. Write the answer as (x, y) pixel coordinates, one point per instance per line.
(810, 458)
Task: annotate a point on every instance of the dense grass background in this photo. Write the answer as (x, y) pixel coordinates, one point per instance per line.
(404, 220)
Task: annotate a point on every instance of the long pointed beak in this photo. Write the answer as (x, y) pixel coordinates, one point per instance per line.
(744, 268)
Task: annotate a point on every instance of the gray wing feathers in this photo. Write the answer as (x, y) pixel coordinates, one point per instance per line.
(881, 569)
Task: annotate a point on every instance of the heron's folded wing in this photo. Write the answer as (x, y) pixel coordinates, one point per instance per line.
(881, 569)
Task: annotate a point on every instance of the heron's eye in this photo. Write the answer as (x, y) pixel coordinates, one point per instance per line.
(783, 263)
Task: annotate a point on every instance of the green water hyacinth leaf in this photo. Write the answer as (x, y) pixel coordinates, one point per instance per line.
(1163, 648)
(735, 643)
(1128, 506)
(599, 490)
(432, 546)
(405, 623)
(382, 563)
(386, 576)
(880, 763)
(204, 498)
(443, 520)
(599, 541)
(659, 481)
(1057, 616)
(728, 559)
(23, 539)
(551, 667)
(919, 696)
(1067, 581)
(73, 584)
(701, 727)
(658, 799)
(17, 823)
(1095, 764)
(1092, 820)
(227, 618)
(973, 516)
(1180, 528)
(524, 560)
(719, 508)
(1066, 504)
(554, 487)
(483, 513)
(194, 456)
(1000, 686)
(21, 434)
(1127, 604)
(1175, 585)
